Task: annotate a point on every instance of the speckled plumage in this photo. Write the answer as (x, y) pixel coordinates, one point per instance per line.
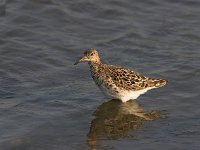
(118, 82)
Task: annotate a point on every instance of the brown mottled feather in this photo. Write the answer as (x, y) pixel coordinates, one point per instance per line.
(123, 78)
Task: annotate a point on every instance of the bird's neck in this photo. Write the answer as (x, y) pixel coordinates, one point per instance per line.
(94, 63)
(95, 66)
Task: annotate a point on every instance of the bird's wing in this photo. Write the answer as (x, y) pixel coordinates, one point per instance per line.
(126, 78)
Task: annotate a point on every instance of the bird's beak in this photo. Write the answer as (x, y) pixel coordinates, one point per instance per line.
(81, 59)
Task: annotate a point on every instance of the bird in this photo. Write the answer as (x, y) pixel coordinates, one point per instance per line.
(118, 82)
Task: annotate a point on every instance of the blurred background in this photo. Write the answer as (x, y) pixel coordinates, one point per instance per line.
(47, 103)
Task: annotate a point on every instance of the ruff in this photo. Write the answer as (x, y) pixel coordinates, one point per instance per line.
(118, 82)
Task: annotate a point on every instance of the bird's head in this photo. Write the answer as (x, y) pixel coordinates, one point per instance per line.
(90, 55)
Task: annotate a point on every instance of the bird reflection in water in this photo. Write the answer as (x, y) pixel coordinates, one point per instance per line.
(114, 119)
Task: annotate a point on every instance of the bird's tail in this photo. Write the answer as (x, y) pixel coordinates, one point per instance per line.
(157, 82)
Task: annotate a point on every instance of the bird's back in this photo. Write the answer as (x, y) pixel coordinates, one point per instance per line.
(125, 78)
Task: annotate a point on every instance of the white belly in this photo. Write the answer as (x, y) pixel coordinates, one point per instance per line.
(128, 95)
(124, 96)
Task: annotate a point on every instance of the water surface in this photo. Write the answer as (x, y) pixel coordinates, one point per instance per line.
(47, 103)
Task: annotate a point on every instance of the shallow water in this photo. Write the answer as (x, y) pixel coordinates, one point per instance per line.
(47, 103)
